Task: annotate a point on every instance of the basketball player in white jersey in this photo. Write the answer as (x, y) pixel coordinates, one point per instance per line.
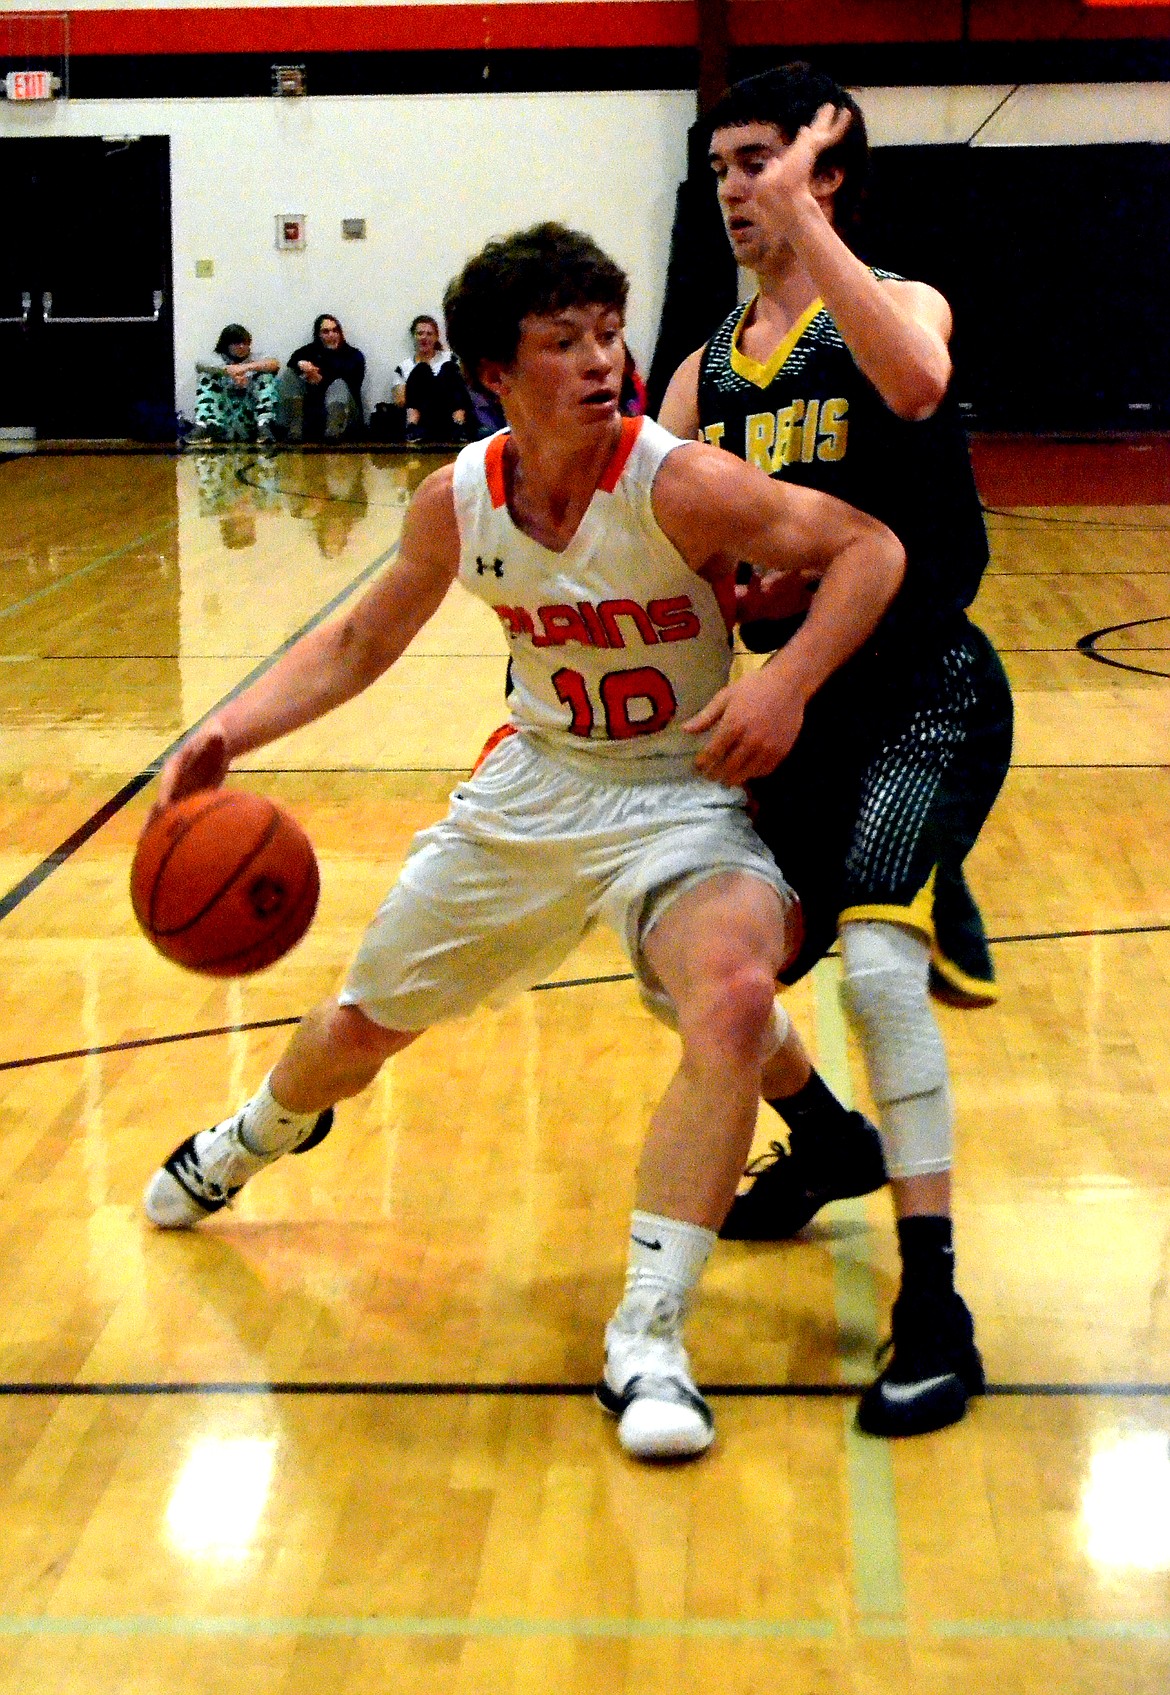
(605, 546)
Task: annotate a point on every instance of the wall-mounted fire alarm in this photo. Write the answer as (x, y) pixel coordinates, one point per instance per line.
(290, 230)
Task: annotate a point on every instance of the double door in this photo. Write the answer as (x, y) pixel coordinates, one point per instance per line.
(86, 337)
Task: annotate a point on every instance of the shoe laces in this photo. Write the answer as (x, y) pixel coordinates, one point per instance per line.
(776, 1154)
(225, 1163)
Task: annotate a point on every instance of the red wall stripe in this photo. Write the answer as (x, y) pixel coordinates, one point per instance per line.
(355, 29)
(608, 23)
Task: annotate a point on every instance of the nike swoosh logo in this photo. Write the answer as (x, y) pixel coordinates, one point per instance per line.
(900, 1394)
(641, 1240)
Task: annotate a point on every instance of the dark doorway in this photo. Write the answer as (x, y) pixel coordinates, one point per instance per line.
(86, 339)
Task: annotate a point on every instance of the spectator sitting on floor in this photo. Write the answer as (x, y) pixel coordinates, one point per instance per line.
(632, 399)
(324, 385)
(431, 388)
(236, 397)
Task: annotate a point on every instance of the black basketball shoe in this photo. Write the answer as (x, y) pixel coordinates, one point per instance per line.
(933, 1369)
(792, 1184)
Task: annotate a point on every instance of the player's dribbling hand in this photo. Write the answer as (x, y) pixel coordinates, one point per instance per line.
(201, 763)
(753, 725)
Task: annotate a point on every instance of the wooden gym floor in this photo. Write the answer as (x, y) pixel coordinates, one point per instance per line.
(341, 1437)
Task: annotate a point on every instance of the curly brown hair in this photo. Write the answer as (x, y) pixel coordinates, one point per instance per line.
(530, 273)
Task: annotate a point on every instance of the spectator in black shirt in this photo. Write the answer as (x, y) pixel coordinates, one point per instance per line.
(326, 377)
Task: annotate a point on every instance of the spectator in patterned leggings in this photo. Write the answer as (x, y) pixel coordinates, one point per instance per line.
(236, 398)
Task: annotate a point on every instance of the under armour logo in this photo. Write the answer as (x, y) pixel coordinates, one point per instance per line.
(481, 565)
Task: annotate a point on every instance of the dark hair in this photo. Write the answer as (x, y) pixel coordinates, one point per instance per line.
(530, 273)
(426, 318)
(230, 336)
(790, 97)
(323, 318)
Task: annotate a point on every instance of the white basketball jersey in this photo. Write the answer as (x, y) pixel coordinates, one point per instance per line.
(615, 642)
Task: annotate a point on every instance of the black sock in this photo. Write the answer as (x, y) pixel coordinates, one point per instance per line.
(811, 1111)
(928, 1255)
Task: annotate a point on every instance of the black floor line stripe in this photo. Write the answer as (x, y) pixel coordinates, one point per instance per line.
(440, 1390)
(1109, 525)
(1081, 935)
(53, 861)
(1091, 765)
(148, 1042)
(136, 1042)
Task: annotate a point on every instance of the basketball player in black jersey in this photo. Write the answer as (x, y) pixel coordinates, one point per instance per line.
(837, 376)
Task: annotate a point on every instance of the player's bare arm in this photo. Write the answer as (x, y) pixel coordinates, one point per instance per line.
(898, 332)
(336, 662)
(679, 412)
(717, 510)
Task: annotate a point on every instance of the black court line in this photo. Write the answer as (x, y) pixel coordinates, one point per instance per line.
(53, 861)
(1107, 524)
(137, 1042)
(548, 1391)
(1087, 645)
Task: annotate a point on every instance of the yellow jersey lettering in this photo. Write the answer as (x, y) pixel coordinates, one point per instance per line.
(808, 439)
(759, 434)
(786, 423)
(834, 429)
(714, 434)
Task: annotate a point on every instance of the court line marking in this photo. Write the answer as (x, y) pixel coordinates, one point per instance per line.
(537, 988)
(390, 1390)
(47, 1625)
(84, 570)
(53, 861)
(879, 1592)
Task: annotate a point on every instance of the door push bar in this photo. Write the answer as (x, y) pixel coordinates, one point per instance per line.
(144, 318)
(25, 309)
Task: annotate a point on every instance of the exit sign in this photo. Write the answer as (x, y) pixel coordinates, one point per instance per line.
(29, 85)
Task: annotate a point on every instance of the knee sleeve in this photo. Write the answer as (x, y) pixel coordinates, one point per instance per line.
(885, 997)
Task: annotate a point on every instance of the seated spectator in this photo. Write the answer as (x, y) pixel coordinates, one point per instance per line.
(236, 398)
(487, 415)
(632, 399)
(431, 387)
(323, 385)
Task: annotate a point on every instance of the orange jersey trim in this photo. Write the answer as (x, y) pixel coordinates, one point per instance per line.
(493, 464)
(631, 428)
(493, 742)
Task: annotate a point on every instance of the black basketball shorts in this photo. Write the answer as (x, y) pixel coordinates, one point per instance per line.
(887, 788)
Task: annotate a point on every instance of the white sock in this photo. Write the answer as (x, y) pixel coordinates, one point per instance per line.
(269, 1128)
(667, 1258)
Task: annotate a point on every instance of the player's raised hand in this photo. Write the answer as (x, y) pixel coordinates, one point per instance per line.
(200, 763)
(788, 175)
(753, 724)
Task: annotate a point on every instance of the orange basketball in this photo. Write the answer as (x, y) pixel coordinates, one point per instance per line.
(224, 882)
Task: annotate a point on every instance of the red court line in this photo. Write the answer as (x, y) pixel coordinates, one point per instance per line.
(1029, 471)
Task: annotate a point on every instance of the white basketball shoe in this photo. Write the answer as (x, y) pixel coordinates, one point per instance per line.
(648, 1386)
(208, 1169)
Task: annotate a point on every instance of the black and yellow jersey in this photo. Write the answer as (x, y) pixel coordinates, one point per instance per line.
(810, 416)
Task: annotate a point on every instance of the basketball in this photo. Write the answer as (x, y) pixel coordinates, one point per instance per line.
(224, 882)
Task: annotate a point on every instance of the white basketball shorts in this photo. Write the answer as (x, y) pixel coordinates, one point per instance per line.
(533, 850)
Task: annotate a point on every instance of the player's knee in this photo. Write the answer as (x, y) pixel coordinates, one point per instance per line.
(884, 992)
(733, 1012)
(352, 1034)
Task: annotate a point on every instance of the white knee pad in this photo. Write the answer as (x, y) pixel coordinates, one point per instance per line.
(885, 997)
